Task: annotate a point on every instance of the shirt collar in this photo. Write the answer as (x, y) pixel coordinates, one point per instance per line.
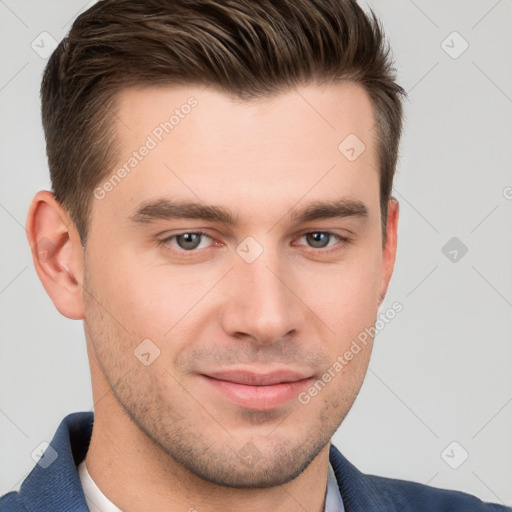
(333, 500)
(98, 502)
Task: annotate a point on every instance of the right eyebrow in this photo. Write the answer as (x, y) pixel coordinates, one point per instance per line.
(166, 209)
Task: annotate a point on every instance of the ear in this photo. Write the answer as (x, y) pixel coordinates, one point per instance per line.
(389, 250)
(57, 253)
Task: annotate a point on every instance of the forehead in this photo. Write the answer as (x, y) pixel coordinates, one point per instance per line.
(213, 115)
(197, 142)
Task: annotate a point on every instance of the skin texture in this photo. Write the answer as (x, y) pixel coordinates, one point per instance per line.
(164, 437)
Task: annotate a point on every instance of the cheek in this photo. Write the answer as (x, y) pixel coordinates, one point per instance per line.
(345, 295)
(134, 300)
(152, 300)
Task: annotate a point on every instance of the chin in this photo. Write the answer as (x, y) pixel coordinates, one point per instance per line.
(256, 471)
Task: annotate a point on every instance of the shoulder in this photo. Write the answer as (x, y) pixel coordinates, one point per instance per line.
(369, 492)
(10, 502)
(54, 484)
(423, 498)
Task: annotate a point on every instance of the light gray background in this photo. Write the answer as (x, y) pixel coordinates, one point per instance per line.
(441, 370)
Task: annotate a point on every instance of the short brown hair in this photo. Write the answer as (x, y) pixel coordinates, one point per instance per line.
(246, 48)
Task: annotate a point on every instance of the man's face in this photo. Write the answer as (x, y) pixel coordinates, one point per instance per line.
(239, 322)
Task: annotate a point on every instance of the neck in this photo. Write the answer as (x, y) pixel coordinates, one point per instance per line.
(136, 474)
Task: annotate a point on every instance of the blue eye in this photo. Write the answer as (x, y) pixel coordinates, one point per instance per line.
(318, 239)
(188, 241)
(322, 239)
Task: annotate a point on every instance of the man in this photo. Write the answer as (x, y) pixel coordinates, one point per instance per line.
(222, 222)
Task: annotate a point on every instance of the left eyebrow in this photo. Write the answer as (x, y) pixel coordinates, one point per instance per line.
(319, 210)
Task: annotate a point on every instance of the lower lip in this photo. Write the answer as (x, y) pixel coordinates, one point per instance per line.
(263, 398)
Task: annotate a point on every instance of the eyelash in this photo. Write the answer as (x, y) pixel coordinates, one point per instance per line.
(344, 240)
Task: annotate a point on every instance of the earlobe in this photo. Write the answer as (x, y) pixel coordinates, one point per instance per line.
(389, 251)
(57, 253)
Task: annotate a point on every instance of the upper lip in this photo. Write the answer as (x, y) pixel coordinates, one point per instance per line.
(251, 378)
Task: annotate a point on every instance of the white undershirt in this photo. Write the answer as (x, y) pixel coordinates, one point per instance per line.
(98, 502)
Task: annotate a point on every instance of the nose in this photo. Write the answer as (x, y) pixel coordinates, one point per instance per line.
(260, 302)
